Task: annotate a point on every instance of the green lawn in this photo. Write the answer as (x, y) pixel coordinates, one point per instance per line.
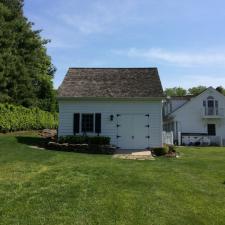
(61, 188)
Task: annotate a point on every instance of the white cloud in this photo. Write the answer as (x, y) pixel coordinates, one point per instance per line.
(85, 26)
(178, 58)
(99, 16)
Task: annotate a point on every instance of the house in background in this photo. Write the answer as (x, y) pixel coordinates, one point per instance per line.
(124, 104)
(196, 119)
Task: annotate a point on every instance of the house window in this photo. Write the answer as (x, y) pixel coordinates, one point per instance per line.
(211, 106)
(212, 129)
(210, 102)
(87, 123)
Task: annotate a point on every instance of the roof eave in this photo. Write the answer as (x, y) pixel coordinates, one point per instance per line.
(69, 98)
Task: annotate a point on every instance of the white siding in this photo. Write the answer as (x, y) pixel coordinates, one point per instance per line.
(109, 128)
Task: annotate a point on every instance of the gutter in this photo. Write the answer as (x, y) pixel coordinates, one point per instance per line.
(59, 98)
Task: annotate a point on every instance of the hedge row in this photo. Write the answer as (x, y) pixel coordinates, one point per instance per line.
(15, 118)
(78, 139)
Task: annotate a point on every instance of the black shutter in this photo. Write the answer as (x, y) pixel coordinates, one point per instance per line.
(76, 123)
(98, 123)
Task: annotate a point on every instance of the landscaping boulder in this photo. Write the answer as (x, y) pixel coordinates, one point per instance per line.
(53, 145)
(78, 147)
(49, 134)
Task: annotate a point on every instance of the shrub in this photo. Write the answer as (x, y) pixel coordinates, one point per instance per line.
(71, 139)
(78, 139)
(171, 148)
(99, 140)
(167, 147)
(81, 148)
(160, 151)
(84, 144)
(16, 118)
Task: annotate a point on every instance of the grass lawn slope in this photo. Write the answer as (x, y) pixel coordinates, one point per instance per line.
(61, 188)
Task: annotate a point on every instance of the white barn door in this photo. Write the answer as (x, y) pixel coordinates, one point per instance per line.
(133, 131)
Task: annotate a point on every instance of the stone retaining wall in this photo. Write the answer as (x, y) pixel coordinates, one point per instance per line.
(82, 148)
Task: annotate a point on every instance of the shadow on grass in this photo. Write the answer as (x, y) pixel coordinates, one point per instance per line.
(31, 154)
(35, 141)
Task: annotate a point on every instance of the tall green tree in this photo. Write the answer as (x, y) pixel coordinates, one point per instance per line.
(26, 71)
(175, 91)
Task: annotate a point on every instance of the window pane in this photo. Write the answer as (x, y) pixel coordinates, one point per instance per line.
(210, 103)
(87, 122)
(204, 103)
(216, 102)
(212, 129)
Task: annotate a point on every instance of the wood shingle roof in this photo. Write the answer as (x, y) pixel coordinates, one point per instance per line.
(111, 82)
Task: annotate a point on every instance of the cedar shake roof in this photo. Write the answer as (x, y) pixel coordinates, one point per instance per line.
(111, 82)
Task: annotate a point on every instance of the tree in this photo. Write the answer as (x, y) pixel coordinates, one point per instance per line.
(26, 71)
(175, 91)
(196, 90)
(179, 91)
(221, 90)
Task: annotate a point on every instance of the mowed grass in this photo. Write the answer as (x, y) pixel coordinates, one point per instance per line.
(61, 188)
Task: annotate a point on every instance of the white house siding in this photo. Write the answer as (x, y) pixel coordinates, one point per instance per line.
(172, 104)
(190, 119)
(67, 108)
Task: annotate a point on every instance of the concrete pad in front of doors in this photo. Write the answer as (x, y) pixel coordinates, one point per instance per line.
(137, 155)
(143, 153)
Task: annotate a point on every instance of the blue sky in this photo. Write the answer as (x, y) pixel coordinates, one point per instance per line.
(184, 39)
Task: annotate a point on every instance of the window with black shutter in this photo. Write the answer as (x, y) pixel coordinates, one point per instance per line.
(98, 123)
(76, 123)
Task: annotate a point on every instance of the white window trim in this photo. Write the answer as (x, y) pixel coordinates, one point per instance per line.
(81, 132)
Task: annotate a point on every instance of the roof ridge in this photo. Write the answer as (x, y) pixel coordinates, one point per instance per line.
(113, 68)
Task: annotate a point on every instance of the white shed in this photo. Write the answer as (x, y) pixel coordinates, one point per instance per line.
(124, 104)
